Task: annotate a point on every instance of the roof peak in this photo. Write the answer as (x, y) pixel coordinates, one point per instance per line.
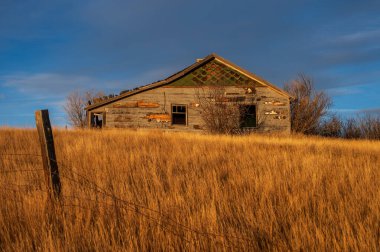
(188, 69)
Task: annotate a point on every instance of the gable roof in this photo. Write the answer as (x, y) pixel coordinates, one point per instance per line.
(185, 71)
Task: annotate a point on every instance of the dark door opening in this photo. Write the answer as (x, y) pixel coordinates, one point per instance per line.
(179, 114)
(248, 116)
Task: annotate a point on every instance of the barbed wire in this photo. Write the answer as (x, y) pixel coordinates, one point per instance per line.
(20, 154)
(21, 188)
(162, 220)
(135, 207)
(17, 170)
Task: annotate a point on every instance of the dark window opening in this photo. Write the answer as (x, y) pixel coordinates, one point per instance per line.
(96, 120)
(179, 114)
(248, 116)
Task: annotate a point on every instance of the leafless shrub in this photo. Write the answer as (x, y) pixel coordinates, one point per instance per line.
(331, 127)
(351, 129)
(365, 127)
(75, 104)
(219, 114)
(370, 127)
(225, 114)
(309, 105)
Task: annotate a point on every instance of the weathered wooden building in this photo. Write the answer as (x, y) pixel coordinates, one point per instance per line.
(173, 103)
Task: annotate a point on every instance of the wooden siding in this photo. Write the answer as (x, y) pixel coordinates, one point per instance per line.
(152, 108)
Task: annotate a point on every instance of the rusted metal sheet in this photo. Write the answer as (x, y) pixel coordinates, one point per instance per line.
(125, 105)
(142, 104)
(139, 104)
(159, 117)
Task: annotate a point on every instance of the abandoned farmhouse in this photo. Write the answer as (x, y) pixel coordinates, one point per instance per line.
(174, 103)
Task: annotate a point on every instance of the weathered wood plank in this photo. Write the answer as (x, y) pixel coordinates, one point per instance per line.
(45, 134)
(146, 109)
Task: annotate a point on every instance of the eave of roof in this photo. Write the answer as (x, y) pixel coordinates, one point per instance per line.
(183, 73)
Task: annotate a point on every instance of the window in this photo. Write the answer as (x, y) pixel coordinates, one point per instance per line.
(179, 114)
(247, 116)
(96, 120)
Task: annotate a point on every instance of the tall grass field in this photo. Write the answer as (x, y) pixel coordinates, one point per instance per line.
(157, 191)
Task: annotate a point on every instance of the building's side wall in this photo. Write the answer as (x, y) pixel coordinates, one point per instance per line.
(273, 110)
(152, 108)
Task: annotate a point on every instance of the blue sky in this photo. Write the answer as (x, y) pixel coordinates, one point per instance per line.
(51, 48)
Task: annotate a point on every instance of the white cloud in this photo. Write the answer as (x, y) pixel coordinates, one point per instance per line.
(344, 110)
(54, 84)
(342, 91)
(47, 83)
(152, 76)
(375, 111)
(359, 36)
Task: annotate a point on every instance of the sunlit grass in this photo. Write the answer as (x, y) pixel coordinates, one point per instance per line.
(194, 192)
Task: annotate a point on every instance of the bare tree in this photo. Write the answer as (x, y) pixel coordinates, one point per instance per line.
(75, 104)
(331, 127)
(370, 127)
(309, 105)
(225, 114)
(366, 126)
(351, 129)
(218, 113)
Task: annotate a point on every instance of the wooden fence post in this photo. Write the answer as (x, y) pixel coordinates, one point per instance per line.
(49, 162)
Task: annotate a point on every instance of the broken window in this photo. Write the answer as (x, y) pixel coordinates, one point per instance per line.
(248, 116)
(96, 120)
(179, 114)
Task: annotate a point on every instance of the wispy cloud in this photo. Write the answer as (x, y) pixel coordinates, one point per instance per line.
(375, 111)
(354, 37)
(38, 84)
(344, 91)
(51, 83)
(344, 110)
(347, 112)
(55, 47)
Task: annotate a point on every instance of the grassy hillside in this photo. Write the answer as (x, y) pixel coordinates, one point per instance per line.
(178, 191)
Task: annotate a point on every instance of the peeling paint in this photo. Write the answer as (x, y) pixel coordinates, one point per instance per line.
(275, 103)
(142, 104)
(159, 117)
(194, 105)
(280, 117)
(125, 105)
(272, 112)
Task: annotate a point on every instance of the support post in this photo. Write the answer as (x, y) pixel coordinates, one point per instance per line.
(49, 162)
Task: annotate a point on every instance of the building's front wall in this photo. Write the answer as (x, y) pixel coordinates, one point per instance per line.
(152, 108)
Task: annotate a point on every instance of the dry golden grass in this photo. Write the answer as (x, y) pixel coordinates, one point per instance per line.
(194, 192)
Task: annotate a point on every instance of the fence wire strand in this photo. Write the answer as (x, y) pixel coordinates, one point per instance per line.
(135, 207)
(162, 220)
